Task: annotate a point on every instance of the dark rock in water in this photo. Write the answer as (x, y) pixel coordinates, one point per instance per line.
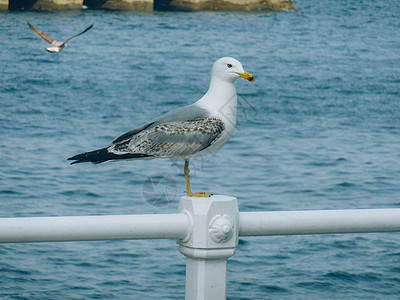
(187, 5)
(43, 4)
(148, 5)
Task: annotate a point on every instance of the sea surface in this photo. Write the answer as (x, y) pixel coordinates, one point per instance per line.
(319, 129)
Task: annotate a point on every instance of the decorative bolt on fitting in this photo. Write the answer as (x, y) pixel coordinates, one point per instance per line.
(221, 228)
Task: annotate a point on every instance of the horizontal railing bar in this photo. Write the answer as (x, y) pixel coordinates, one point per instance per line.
(177, 226)
(93, 228)
(319, 222)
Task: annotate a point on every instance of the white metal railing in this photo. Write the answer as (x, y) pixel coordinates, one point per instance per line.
(207, 230)
(319, 221)
(93, 228)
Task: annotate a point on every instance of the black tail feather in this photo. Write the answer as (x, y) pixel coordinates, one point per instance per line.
(102, 155)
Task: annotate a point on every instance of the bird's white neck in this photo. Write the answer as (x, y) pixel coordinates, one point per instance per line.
(220, 98)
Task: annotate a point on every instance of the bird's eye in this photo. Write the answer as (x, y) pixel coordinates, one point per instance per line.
(229, 65)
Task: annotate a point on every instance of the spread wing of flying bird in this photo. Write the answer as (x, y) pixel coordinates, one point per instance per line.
(56, 46)
(194, 130)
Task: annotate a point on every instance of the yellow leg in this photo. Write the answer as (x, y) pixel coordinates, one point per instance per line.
(188, 191)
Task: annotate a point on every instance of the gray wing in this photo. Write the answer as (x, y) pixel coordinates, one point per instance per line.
(72, 37)
(131, 134)
(186, 113)
(177, 139)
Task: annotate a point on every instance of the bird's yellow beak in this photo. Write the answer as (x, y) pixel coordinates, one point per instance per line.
(247, 76)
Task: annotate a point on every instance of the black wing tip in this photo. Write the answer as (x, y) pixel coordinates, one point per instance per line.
(87, 29)
(76, 161)
(102, 155)
(95, 156)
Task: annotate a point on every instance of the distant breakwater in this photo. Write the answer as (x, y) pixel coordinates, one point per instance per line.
(148, 5)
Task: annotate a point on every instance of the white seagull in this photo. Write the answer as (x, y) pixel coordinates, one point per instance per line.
(56, 47)
(194, 130)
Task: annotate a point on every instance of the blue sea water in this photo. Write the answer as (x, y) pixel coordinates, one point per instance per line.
(319, 129)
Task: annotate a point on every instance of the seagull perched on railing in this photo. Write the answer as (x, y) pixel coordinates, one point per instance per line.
(194, 130)
(56, 47)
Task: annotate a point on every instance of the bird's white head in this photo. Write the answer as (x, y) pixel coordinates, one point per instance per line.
(229, 69)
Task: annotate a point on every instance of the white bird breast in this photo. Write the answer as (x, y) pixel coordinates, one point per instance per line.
(53, 49)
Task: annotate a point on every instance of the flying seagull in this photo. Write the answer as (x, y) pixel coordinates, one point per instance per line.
(194, 130)
(55, 46)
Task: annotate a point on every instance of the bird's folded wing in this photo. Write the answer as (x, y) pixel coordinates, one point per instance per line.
(171, 139)
(130, 134)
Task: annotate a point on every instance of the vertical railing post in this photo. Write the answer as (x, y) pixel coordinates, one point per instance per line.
(213, 238)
